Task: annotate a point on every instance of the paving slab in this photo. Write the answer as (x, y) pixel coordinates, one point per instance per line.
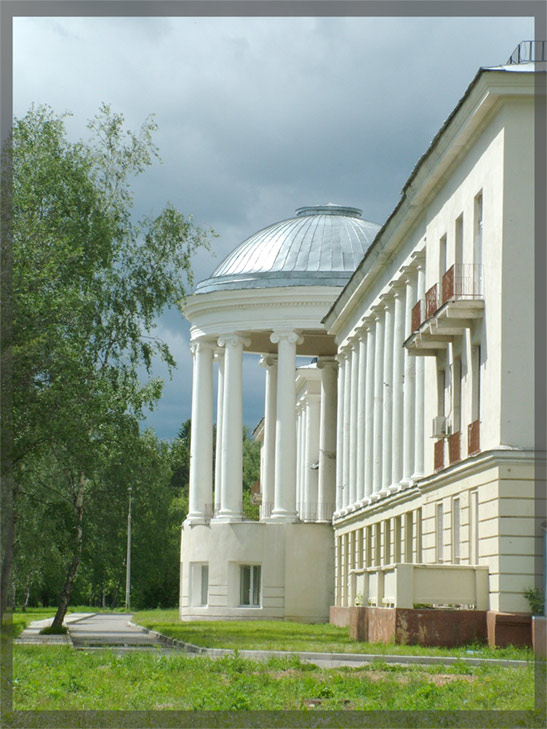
(110, 629)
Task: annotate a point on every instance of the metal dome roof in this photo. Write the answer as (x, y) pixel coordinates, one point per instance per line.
(321, 246)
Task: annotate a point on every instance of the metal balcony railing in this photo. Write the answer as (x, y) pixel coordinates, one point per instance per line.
(473, 438)
(416, 316)
(529, 52)
(454, 447)
(431, 301)
(438, 454)
(462, 281)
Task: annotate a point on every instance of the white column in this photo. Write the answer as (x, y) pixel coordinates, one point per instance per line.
(311, 457)
(219, 356)
(285, 441)
(327, 440)
(420, 391)
(341, 359)
(232, 430)
(388, 397)
(361, 416)
(409, 389)
(378, 403)
(270, 363)
(369, 409)
(353, 422)
(301, 461)
(346, 422)
(398, 360)
(201, 443)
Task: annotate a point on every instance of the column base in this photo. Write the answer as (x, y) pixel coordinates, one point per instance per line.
(417, 476)
(192, 519)
(283, 516)
(227, 516)
(406, 483)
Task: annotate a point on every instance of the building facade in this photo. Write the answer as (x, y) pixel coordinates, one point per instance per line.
(402, 459)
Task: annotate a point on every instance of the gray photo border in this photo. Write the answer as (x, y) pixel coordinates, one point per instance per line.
(537, 9)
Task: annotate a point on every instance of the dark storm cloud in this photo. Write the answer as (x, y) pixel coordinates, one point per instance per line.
(260, 116)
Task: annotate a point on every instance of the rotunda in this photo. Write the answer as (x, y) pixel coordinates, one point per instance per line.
(268, 297)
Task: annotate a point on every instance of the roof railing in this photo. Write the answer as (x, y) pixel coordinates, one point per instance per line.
(529, 52)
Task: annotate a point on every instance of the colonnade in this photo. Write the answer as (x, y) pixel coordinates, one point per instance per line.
(279, 475)
(381, 400)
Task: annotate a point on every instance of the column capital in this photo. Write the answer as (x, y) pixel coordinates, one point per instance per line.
(386, 299)
(201, 345)
(327, 362)
(343, 354)
(398, 287)
(233, 340)
(292, 336)
(418, 258)
(268, 360)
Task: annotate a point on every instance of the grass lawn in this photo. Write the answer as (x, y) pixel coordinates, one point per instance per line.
(57, 677)
(291, 636)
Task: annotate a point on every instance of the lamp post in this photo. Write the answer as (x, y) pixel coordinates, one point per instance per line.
(128, 558)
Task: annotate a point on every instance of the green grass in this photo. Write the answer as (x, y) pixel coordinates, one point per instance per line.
(55, 678)
(291, 636)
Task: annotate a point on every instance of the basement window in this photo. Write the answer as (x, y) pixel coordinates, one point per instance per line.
(249, 592)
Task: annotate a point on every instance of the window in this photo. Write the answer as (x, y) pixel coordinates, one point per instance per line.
(408, 536)
(477, 245)
(204, 584)
(439, 540)
(250, 585)
(458, 248)
(442, 257)
(456, 531)
(456, 394)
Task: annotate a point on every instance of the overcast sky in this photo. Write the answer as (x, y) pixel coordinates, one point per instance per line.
(259, 116)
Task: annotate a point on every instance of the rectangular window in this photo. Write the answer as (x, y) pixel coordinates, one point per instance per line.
(456, 394)
(360, 549)
(439, 534)
(442, 257)
(458, 247)
(387, 541)
(377, 540)
(408, 536)
(397, 539)
(250, 585)
(477, 245)
(456, 531)
(473, 527)
(476, 383)
(419, 532)
(204, 584)
(368, 547)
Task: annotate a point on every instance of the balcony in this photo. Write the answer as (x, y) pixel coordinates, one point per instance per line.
(446, 311)
(454, 447)
(405, 585)
(473, 438)
(438, 454)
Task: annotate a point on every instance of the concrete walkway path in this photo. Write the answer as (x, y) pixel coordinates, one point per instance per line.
(91, 630)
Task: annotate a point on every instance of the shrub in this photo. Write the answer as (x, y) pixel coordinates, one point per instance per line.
(536, 600)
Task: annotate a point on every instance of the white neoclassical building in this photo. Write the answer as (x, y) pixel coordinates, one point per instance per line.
(399, 467)
(268, 298)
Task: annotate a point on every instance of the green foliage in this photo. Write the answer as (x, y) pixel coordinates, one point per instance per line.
(88, 283)
(536, 600)
(251, 473)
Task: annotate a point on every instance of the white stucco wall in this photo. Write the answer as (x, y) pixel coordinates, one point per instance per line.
(296, 562)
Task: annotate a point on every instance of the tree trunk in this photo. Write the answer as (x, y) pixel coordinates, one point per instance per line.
(8, 538)
(64, 598)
